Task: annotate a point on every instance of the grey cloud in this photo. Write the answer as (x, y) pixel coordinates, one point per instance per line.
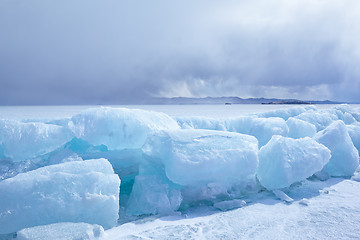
(88, 52)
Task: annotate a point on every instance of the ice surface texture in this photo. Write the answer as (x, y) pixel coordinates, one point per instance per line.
(284, 161)
(286, 113)
(62, 231)
(354, 133)
(150, 195)
(81, 191)
(118, 128)
(345, 157)
(193, 157)
(299, 128)
(261, 128)
(22, 141)
(321, 119)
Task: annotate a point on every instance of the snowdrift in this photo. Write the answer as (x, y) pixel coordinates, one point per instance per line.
(69, 170)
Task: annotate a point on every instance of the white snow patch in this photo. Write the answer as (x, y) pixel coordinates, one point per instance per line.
(62, 231)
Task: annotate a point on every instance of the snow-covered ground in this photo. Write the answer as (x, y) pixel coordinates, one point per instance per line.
(320, 210)
(180, 172)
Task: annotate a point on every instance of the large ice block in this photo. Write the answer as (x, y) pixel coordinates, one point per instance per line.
(344, 156)
(300, 129)
(119, 128)
(354, 133)
(264, 128)
(346, 113)
(194, 157)
(284, 161)
(286, 113)
(80, 191)
(321, 119)
(261, 128)
(22, 141)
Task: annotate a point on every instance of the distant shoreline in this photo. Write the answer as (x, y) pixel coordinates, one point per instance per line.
(190, 101)
(235, 100)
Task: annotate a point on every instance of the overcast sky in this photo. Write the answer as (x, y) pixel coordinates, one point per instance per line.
(114, 51)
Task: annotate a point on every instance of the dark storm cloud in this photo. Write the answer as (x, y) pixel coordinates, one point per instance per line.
(88, 52)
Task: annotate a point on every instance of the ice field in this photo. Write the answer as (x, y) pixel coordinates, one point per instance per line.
(180, 172)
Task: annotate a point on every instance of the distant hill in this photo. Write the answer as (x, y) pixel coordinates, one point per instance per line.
(233, 100)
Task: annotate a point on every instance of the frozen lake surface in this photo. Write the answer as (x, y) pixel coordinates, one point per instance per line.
(218, 110)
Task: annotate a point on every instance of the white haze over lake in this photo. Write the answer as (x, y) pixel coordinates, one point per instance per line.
(218, 110)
